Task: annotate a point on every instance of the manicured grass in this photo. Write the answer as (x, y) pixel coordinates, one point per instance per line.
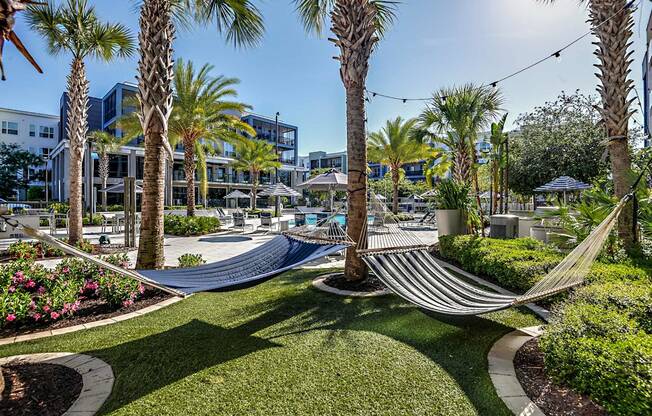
(284, 348)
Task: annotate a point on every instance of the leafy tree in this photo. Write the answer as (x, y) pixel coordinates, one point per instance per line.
(394, 145)
(358, 26)
(255, 156)
(406, 187)
(498, 158)
(564, 137)
(74, 28)
(14, 165)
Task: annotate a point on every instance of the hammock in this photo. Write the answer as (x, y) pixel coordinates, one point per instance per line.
(403, 263)
(282, 253)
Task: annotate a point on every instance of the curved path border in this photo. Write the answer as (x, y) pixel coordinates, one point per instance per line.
(102, 322)
(502, 373)
(97, 378)
(318, 282)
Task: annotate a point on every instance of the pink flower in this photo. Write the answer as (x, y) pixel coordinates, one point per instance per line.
(11, 317)
(46, 309)
(30, 283)
(40, 290)
(65, 270)
(54, 315)
(19, 276)
(32, 305)
(37, 316)
(127, 302)
(12, 289)
(141, 289)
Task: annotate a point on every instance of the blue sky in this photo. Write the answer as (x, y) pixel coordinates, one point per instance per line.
(434, 43)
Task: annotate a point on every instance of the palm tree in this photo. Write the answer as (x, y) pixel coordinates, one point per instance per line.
(612, 22)
(200, 119)
(358, 25)
(243, 26)
(498, 140)
(75, 28)
(436, 165)
(460, 113)
(255, 156)
(394, 146)
(105, 143)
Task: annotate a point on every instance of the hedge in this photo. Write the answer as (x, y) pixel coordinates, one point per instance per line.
(599, 342)
(181, 225)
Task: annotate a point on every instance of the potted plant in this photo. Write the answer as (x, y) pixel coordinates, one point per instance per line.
(452, 201)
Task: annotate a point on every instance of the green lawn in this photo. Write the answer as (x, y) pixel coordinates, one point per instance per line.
(284, 348)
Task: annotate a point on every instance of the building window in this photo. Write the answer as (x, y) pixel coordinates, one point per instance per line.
(45, 151)
(109, 107)
(9, 127)
(32, 130)
(45, 132)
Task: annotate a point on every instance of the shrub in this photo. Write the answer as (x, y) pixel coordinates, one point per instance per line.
(185, 226)
(191, 260)
(600, 343)
(115, 208)
(59, 207)
(31, 293)
(95, 220)
(32, 250)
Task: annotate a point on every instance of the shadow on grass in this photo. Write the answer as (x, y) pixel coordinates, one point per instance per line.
(459, 346)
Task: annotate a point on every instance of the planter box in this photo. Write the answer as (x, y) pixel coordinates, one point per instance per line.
(541, 232)
(524, 225)
(450, 222)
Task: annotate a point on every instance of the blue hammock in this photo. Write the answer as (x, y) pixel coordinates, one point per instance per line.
(256, 266)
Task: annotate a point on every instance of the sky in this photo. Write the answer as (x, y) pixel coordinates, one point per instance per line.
(433, 44)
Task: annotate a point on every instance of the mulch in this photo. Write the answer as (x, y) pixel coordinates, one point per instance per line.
(90, 310)
(39, 389)
(370, 284)
(552, 399)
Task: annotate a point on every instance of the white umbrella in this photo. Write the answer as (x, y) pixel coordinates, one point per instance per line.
(237, 195)
(330, 181)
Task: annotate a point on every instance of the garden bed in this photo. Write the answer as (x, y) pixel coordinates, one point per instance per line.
(551, 398)
(90, 310)
(39, 389)
(370, 284)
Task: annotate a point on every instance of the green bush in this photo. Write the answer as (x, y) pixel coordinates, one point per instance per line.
(95, 220)
(184, 226)
(115, 208)
(191, 260)
(600, 343)
(59, 207)
(32, 250)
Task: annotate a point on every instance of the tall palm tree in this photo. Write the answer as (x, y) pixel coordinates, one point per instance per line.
(74, 28)
(200, 122)
(242, 25)
(358, 25)
(612, 22)
(104, 143)
(394, 146)
(255, 156)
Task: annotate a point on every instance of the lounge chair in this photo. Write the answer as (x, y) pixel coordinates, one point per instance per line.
(266, 220)
(239, 222)
(223, 216)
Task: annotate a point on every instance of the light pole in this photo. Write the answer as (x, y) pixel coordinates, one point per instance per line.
(278, 200)
(47, 161)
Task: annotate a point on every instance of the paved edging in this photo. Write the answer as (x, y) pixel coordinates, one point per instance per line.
(503, 375)
(102, 322)
(318, 283)
(97, 378)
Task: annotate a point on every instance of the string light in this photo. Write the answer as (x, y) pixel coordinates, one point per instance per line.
(556, 55)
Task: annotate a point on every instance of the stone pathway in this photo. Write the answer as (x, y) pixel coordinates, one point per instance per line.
(502, 373)
(97, 378)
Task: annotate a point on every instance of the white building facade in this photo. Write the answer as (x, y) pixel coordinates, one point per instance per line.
(34, 132)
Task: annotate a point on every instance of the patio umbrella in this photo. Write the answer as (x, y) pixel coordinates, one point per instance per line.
(119, 188)
(429, 194)
(330, 181)
(237, 195)
(563, 184)
(279, 189)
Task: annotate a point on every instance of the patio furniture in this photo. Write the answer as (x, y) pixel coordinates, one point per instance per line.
(266, 220)
(223, 216)
(239, 222)
(330, 181)
(299, 219)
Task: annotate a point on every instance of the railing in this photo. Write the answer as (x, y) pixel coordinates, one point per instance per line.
(228, 178)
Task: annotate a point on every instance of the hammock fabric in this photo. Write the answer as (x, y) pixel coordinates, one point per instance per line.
(272, 258)
(412, 273)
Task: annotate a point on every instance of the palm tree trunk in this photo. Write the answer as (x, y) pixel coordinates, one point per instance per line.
(614, 40)
(77, 128)
(254, 187)
(395, 179)
(355, 269)
(104, 175)
(155, 96)
(189, 169)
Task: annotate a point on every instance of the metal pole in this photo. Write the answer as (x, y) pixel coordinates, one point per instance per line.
(46, 180)
(506, 187)
(278, 199)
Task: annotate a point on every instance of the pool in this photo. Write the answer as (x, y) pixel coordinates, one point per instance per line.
(312, 219)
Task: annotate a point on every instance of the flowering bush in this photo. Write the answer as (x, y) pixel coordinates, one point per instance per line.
(191, 260)
(31, 293)
(32, 250)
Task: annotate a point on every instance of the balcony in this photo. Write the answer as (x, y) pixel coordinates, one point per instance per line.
(218, 179)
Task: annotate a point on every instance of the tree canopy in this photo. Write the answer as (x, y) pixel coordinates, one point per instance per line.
(564, 137)
(14, 163)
